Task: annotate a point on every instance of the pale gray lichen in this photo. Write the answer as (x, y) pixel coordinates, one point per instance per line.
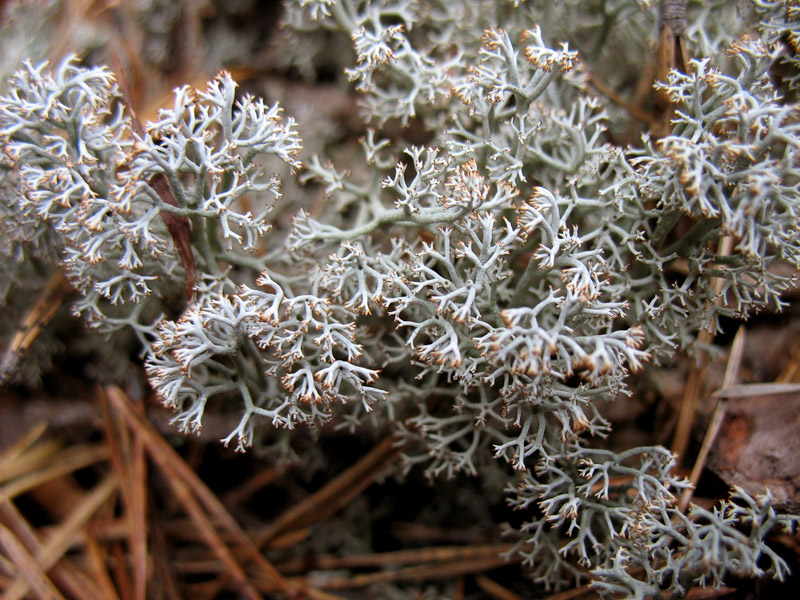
(476, 293)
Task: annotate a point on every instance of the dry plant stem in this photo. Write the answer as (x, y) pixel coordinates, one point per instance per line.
(335, 494)
(193, 492)
(59, 541)
(178, 227)
(27, 566)
(43, 311)
(731, 375)
(495, 590)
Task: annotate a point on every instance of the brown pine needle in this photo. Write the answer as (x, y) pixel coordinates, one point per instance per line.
(425, 572)
(694, 385)
(27, 566)
(59, 541)
(128, 461)
(9, 455)
(336, 494)
(398, 557)
(37, 318)
(24, 460)
(68, 577)
(66, 462)
(495, 590)
(195, 495)
(731, 375)
(97, 565)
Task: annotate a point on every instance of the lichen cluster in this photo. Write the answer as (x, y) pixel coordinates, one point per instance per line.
(476, 294)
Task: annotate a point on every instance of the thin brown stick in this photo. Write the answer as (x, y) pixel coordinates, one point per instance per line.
(336, 494)
(694, 385)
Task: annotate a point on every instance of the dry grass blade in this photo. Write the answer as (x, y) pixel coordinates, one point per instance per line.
(194, 495)
(27, 566)
(335, 494)
(58, 543)
(45, 308)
